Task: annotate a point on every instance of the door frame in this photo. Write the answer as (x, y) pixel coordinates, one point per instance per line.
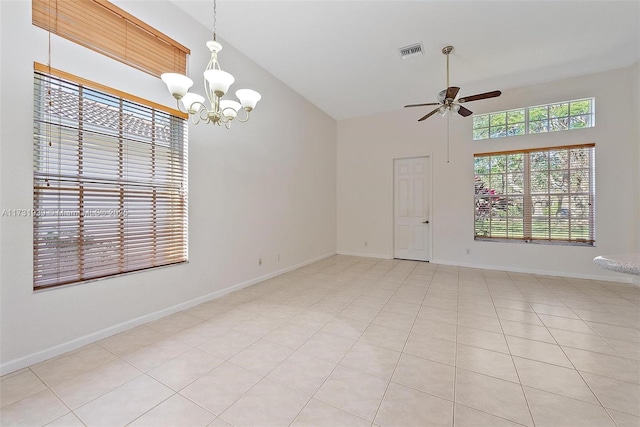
(429, 200)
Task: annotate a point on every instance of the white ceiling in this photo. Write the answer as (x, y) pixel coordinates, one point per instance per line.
(343, 55)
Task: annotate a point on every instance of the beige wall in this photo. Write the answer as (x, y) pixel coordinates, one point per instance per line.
(263, 188)
(368, 145)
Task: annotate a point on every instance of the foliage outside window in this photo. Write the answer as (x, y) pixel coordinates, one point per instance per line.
(110, 184)
(542, 196)
(567, 115)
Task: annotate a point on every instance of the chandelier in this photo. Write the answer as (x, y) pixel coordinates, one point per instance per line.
(216, 84)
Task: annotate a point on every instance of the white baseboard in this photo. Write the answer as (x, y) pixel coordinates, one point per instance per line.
(618, 279)
(364, 255)
(68, 346)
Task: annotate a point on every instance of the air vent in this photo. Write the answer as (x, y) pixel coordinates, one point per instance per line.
(411, 51)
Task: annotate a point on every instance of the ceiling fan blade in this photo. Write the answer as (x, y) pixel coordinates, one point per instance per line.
(422, 105)
(480, 96)
(464, 112)
(428, 115)
(452, 92)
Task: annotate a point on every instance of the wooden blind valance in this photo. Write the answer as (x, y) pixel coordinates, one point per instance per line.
(105, 28)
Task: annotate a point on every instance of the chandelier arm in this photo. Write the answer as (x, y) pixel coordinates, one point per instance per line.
(246, 116)
(180, 109)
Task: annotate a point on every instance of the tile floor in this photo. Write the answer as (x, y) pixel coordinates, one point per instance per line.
(359, 342)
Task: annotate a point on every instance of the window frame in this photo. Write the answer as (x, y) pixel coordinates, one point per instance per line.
(528, 121)
(511, 207)
(110, 182)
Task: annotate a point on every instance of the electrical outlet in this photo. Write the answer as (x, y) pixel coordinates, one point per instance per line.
(260, 261)
(278, 257)
(366, 244)
(468, 251)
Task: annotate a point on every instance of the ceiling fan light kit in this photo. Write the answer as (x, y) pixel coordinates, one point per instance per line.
(447, 97)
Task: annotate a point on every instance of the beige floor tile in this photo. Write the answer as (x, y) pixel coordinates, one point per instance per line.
(258, 325)
(93, 384)
(430, 328)
(156, 354)
(200, 333)
(303, 372)
(69, 420)
(628, 349)
(69, 365)
(501, 398)
(35, 410)
(519, 316)
(554, 310)
(290, 335)
(345, 327)
(393, 320)
(175, 411)
(371, 359)
(327, 346)
(319, 414)
(185, 369)
(566, 324)
(405, 407)
(17, 387)
(602, 364)
(266, 404)
(525, 330)
(228, 344)
(131, 340)
(359, 313)
(262, 357)
(393, 339)
(433, 303)
(221, 387)
(619, 395)
(490, 324)
(554, 379)
(125, 403)
(431, 348)
(486, 362)
(424, 375)
(583, 341)
(616, 332)
(537, 350)
(624, 420)
(511, 304)
(467, 417)
(353, 391)
(171, 325)
(483, 339)
(553, 410)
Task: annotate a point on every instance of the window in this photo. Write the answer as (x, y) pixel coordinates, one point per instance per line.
(568, 115)
(105, 28)
(542, 196)
(110, 183)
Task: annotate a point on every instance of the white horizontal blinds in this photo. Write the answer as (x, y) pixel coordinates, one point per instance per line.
(110, 184)
(105, 28)
(536, 195)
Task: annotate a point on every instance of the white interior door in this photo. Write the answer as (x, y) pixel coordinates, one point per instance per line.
(411, 209)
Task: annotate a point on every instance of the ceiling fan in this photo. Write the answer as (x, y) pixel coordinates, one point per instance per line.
(447, 98)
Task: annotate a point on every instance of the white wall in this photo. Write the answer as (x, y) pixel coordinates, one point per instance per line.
(264, 188)
(367, 145)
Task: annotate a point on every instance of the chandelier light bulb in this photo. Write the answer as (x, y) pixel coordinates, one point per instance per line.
(177, 84)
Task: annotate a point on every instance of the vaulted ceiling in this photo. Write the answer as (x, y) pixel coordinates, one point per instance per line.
(343, 55)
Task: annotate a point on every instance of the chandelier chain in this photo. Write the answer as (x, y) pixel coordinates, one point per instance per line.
(214, 20)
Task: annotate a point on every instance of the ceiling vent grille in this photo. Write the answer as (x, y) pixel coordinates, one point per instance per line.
(411, 51)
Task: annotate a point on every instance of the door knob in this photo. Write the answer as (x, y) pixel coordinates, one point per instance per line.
(426, 222)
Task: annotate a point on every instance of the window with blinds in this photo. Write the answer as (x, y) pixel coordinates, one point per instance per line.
(110, 184)
(538, 196)
(105, 28)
